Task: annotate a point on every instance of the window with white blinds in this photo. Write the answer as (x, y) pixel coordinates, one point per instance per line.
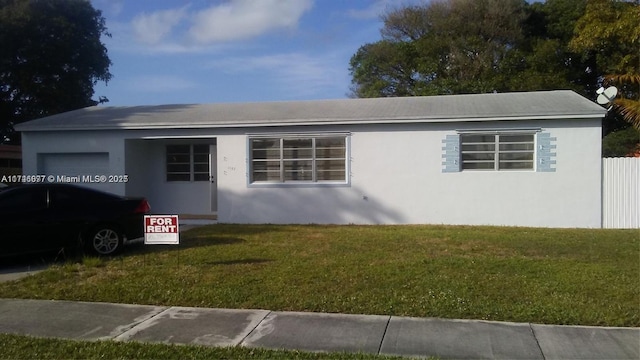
(506, 151)
(297, 159)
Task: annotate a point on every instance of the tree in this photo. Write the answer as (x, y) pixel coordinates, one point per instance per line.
(51, 58)
(543, 59)
(621, 143)
(442, 47)
(610, 30)
(475, 46)
(386, 68)
(609, 33)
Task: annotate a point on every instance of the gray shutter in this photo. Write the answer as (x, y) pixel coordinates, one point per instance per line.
(545, 153)
(451, 154)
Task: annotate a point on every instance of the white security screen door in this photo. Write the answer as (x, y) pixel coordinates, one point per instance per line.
(213, 170)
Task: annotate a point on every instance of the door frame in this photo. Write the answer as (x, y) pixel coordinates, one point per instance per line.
(213, 177)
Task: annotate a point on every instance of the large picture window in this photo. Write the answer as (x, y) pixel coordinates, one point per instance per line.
(188, 162)
(508, 151)
(298, 159)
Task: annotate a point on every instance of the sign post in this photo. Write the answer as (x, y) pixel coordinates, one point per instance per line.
(161, 230)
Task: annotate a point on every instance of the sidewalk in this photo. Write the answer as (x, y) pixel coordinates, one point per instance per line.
(375, 334)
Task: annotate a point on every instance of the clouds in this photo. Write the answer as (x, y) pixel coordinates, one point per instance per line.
(224, 22)
(109, 7)
(374, 10)
(194, 51)
(302, 74)
(378, 7)
(242, 19)
(159, 84)
(154, 27)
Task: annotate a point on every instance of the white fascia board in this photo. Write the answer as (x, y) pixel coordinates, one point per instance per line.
(307, 122)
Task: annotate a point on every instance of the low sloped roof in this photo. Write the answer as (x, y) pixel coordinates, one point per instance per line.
(559, 104)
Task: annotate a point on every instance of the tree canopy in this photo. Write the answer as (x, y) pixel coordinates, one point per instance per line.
(472, 46)
(51, 58)
(443, 47)
(610, 31)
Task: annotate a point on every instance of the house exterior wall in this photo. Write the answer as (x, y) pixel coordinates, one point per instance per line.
(145, 168)
(395, 176)
(36, 146)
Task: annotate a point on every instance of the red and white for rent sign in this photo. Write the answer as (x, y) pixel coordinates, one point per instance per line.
(161, 229)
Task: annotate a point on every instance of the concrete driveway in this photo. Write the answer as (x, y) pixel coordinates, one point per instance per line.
(23, 266)
(18, 272)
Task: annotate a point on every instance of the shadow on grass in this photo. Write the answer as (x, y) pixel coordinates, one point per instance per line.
(234, 230)
(139, 248)
(197, 237)
(204, 236)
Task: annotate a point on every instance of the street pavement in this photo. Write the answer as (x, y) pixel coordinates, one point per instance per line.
(318, 332)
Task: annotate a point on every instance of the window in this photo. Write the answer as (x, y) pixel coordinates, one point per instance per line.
(200, 162)
(508, 151)
(298, 159)
(188, 162)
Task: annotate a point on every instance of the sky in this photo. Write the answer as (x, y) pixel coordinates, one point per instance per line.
(211, 51)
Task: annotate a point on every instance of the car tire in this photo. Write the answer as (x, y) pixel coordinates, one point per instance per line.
(104, 240)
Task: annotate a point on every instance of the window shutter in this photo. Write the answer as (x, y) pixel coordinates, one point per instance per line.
(546, 153)
(451, 154)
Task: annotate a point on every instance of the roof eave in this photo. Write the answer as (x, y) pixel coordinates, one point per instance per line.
(305, 122)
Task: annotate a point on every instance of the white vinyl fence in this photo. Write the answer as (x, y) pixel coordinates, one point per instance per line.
(621, 193)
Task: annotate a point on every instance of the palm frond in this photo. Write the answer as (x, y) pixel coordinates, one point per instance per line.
(629, 109)
(630, 79)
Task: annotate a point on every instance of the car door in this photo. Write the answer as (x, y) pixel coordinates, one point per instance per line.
(23, 220)
(69, 213)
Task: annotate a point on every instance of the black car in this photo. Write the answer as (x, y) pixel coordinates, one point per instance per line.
(49, 217)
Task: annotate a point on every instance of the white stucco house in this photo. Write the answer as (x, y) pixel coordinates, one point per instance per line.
(523, 159)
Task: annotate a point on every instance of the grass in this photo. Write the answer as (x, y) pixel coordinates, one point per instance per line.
(24, 347)
(552, 276)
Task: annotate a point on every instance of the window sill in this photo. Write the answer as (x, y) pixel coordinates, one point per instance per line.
(300, 184)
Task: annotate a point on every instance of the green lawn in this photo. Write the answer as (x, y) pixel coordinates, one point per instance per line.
(553, 276)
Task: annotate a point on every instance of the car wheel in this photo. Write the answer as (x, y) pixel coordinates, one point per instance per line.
(104, 240)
